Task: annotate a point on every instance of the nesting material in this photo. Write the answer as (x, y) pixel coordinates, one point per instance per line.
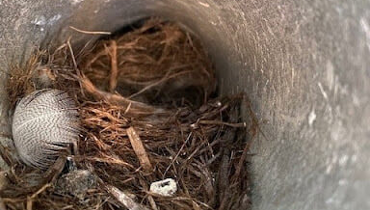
(157, 63)
(3, 180)
(147, 106)
(139, 149)
(125, 199)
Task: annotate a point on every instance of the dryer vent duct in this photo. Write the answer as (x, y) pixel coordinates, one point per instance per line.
(304, 65)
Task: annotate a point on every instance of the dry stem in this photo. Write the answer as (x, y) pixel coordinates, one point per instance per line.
(139, 149)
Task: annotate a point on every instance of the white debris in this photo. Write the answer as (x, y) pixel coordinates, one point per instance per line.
(42, 21)
(74, 2)
(54, 19)
(165, 187)
(39, 21)
(203, 4)
(311, 117)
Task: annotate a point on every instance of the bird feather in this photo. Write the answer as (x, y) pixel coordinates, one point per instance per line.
(45, 123)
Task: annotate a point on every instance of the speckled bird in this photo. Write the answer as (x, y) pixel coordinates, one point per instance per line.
(45, 123)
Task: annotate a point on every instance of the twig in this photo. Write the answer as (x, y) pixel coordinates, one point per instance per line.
(114, 67)
(161, 81)
(91, 32)
(223, 179)
(152, 202)
(150, 198)
(124, 199)
(52, 173)
(253, 117)
(139, 149)
(6, 155)
(2, 205)
(177, 155)
(33, 196)
(71, 51)
(214, 122)
(127, 108)
(110, 160)
(3, 180)
(118, 99)
(42, 189)
(241, 160)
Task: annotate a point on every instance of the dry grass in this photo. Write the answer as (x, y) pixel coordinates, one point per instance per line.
(20, 82)
(157, 62)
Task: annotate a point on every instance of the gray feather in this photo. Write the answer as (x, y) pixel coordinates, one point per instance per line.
(45, 123)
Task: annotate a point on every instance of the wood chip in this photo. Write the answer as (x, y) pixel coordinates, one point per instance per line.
(139, 149)
(114, 67)
(124, 199)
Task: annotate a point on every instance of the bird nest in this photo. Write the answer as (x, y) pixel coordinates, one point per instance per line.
(149, 111)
